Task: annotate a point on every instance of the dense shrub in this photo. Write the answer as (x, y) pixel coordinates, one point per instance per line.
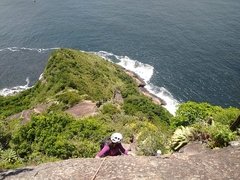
(69, 97)
(13, 104)
(226, 116)
(87, 148)
(59, 147)
(149, 142)
(149, 137)
(192, 112)
(212, 123)
(59, 135)
(4, 135)
(220, 135)
(141, 104)
(110, 108)
(6, 129)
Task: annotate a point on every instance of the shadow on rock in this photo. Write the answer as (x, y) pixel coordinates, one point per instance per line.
(4, 175)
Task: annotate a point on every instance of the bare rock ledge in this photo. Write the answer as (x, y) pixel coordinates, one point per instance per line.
(212, 164)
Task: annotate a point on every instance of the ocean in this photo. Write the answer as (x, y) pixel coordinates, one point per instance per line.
(183, 49)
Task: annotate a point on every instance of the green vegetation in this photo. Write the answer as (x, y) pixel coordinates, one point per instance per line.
(58, 135)
(208, 123)
(134, 105)
(72, 76)
(182, 136)
(69, 77)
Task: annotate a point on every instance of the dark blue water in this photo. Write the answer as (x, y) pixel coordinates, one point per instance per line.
(193, 45)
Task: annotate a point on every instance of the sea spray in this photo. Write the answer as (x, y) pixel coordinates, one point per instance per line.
(145, 71)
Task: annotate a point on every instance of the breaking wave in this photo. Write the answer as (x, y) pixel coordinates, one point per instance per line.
(15, 90)
(16, 49)
(145, 71)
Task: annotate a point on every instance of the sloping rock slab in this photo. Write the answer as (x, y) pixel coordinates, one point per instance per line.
(85, 108)
(215, 164)
(25, 115)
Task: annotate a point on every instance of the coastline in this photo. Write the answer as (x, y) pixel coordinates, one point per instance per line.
(141, 86)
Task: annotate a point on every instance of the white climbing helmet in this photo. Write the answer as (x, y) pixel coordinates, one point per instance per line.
(116, 137)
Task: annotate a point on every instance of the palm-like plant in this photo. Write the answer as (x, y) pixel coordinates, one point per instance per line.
(182, 136)
(8, 156)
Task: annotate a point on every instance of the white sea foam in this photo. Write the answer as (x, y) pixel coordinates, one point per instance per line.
(163, 93)
(14, 90)
(145, 71)
(16, 49)
(13, 49)
(105, 55)
(40, 77)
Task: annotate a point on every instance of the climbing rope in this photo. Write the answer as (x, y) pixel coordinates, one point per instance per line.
(95, 175)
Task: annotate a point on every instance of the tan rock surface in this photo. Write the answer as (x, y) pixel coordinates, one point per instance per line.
(210, 164)
(85, 108)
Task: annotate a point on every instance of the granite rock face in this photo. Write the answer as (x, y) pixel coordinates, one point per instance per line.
(191, 164)
(85, 108)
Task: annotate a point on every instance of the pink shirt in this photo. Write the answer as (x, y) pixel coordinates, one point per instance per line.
(108, 150)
